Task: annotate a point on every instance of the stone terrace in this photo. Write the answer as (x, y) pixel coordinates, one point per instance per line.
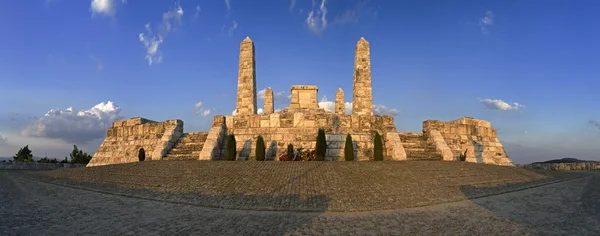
(306, 186)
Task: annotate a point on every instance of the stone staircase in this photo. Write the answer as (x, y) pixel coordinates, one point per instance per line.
(417, 148)
(187, 147)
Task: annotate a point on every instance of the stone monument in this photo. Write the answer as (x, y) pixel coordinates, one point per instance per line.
(298, 125)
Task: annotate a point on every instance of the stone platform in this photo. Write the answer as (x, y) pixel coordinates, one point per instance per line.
(310, 186)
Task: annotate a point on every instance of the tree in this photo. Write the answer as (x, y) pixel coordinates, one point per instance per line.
(230, 151)
(378, 148)
(23, 155)
(65, 161)
(47, 160)
(260, 148)
(290, 152)
(79, 157)
(321, 148)
(142, 154)
(349, 149)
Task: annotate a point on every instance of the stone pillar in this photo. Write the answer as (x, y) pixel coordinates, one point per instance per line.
(362, 97)
(339, 101)
(268, 106)
(246, 93)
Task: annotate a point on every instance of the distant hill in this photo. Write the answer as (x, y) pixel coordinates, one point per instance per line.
(10, 158)
(563, 160)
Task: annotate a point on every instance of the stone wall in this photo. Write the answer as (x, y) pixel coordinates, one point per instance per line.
(299, 127)
(36, 166)
(475, 136)
(125, 138)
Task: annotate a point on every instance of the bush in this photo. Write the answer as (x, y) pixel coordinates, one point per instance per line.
(80, 157)
(349, 149)
(24, 155)
(290, 152)
(142, 154)
(321, 148)
(463, 156)
(378, 148)
(260, 148)
(230, 151)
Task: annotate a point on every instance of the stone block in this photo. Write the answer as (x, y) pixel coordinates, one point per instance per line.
(298, 119)
(264, 123)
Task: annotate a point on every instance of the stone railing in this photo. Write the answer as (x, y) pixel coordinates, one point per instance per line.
(36, 166)
(563, 166)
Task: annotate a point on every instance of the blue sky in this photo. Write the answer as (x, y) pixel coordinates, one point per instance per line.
(530, 67)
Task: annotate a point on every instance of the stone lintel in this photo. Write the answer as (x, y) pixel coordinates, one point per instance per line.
(305, 87)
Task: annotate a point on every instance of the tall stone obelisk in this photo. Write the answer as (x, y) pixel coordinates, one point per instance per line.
(362, 97)
(246, 93)
(268, 105)
(339, 101)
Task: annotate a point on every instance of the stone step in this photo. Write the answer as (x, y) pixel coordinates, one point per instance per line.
(413, 144)
(181, 157)
(180, 152)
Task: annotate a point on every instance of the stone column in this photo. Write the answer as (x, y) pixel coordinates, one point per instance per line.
(246, 93)
(268, 106)
(362, 97)
(339, 101)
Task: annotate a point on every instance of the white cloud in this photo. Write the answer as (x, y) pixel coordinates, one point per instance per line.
(232, 28)
(152, 40)
(486, 21)
(330, 105)
(199, 107)
(104, 7)
(383, 110)
(228, 5)
(261, 94)
(259, 111)
(279, 97)
(75, 127)
(377, 109)
(317, 18)
(99, 65)
(292, 5)
(361, 9)
(3, 140)
(497, 104)
(196, 13)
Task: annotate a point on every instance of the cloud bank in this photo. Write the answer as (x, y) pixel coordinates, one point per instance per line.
(497, 104)
(75, 127)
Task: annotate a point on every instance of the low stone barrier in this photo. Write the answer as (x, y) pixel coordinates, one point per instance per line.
(563, 166)
(36, 166)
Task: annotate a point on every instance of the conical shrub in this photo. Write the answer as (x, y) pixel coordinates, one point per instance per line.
(321, 148)
(290, 152)
(378, 148)
(349, 149)
(230, 151)
(260, 148)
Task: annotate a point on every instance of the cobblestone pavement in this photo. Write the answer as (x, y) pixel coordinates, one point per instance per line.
(304, 186)
(32, 207)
